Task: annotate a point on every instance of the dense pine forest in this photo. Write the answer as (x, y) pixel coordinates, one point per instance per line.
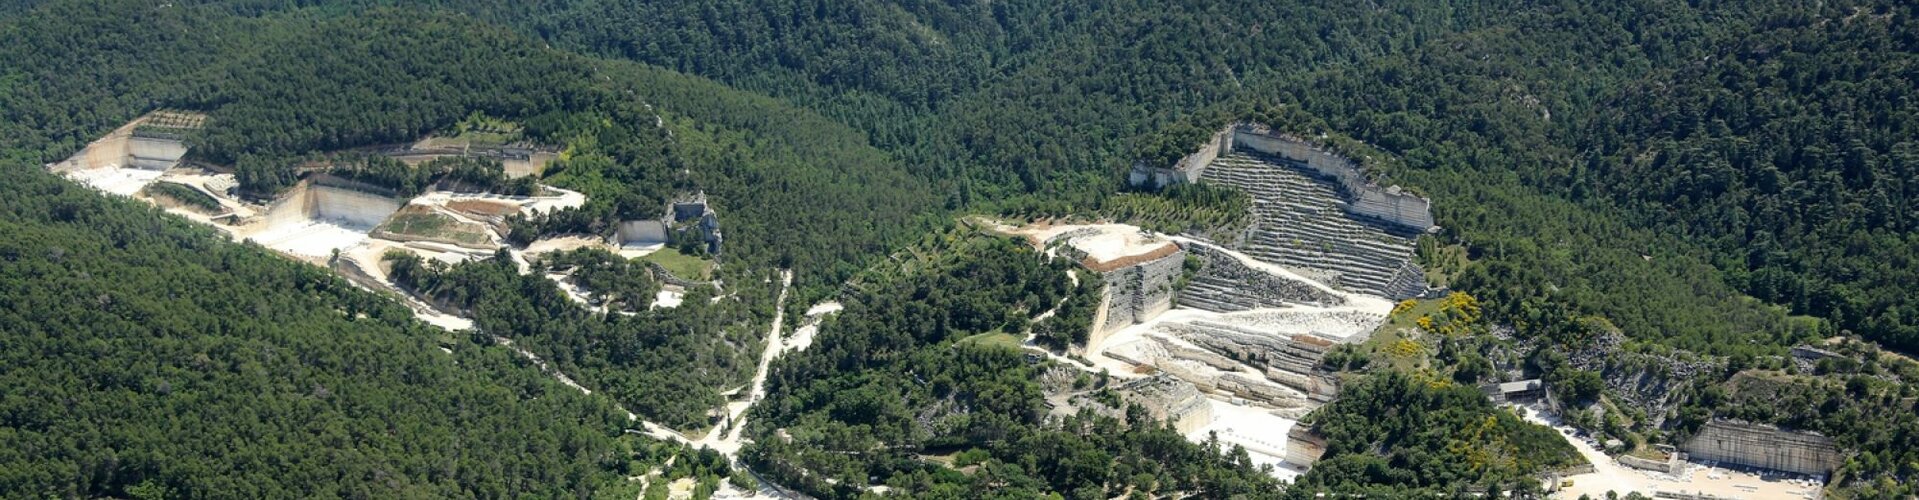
(1708, 179)
(146, 357)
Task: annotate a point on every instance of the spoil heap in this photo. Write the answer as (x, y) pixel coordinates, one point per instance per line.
(1225, 284)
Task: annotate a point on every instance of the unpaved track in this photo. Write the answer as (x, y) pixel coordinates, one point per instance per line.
(728, 442)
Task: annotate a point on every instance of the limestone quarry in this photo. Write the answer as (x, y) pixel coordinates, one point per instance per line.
(349, 227)
(1243, 366)
(330, 221)
(1226, 338)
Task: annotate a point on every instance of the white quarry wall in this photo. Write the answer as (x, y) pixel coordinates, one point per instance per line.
(351, 208)
(1764, 447)
(109, 150)
(1303, 446)
(534, 164)
(346, 207)
(641, 233)
(155, 153)
(1188, 169)
(291, 208)
(1388, 203)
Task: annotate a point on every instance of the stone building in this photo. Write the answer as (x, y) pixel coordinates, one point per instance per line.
(1765, 447)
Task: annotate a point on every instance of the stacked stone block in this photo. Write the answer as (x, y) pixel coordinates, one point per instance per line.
(1303, 223)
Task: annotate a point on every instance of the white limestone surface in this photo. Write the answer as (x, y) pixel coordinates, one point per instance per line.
(310, 238)
(1116, 241)
(115, 179)
(668, 299)
(1262, 433)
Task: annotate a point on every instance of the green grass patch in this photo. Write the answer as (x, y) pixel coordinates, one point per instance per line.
(993, 338)
(184, 194)
(1441, 262)
(1400, 327)
(433, 226)
(681, 265)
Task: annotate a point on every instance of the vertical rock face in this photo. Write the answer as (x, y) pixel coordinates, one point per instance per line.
(346, 207)
(155, 141)
(154, 152)
(1764, 447)
(1138, 292)
(352, 208)
(1303, 446)
(640, 233)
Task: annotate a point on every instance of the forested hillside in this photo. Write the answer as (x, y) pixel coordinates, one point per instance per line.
(1726, 179)
(1641, 162)
(146, 357)
(279, 89)
(1636, 168)
(891, 381)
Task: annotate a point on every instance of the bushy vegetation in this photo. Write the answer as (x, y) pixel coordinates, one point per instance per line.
(667, 365)
(1200, 209)
(620, 284)
(1868, 407)
(184, 195)
(889, 378)
(1619, 168)
(1072, 321)
(1393, 434)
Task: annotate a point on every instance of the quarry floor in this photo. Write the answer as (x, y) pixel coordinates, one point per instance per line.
(1610, 476)
(1262, 433)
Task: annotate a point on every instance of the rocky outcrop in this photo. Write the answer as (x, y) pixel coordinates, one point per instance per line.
(1389, 204)
(1303, 446)
(1292, 360)
(1170, 400)
(1364, 198)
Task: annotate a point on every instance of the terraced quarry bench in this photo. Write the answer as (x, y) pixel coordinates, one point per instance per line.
(1302, 223)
